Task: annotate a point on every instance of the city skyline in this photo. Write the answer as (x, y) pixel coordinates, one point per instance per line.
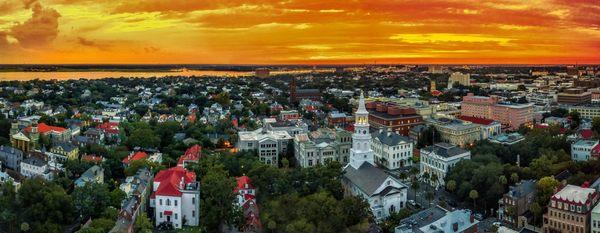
(299, 32)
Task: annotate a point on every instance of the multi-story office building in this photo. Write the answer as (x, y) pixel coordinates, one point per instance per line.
(392, 150)
(586, 111)
(574, 96)
(268, 144)
(439, 158)
(569, 210)
(387, 115)
(510, 115)
(322, 146)
(460, 78)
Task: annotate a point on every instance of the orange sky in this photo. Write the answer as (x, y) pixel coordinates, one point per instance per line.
(299, 31)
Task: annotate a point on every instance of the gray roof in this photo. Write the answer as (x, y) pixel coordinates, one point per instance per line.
(445, 149)
(66, 146)
(422, 218)
(92, 172)
(367, 177)
(391, 139)
(10, 150)
(522, 189)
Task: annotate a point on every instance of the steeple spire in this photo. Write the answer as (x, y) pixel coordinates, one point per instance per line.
(361, 151)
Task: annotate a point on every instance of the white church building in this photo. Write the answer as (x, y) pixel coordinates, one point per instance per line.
(362, 178)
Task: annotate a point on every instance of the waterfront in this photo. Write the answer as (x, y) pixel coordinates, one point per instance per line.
(66, 75)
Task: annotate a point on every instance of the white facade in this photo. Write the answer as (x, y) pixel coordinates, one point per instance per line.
(33, 167)
(582, 149)
(362, 178)
(457, 77)
(392, 150)
(439, 159)
(595, 219)
(361, 139)
(179, 203)
(269, 144)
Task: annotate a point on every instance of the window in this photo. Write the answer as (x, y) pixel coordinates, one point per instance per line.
(160, 201)
(168, 202)
(193, 213)
(175, 202)
(193, 200)
(161, 215)
(175, 215)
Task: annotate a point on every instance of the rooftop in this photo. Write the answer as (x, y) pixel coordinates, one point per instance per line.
(574, 194)
(445, 150)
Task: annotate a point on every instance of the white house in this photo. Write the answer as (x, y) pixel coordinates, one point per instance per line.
(582, 149)
(439, 158)
(36, 166)
(362, 178)
(176, 197)
(392, 150)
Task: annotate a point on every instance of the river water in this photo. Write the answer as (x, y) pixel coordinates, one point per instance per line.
(62, 75)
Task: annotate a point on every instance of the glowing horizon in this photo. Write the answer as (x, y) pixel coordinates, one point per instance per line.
(299, 32)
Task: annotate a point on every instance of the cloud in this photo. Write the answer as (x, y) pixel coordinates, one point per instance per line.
(39, 30)
(90, 43)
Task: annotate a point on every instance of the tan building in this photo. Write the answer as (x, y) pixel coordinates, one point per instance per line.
(460, 78)
(569, 210)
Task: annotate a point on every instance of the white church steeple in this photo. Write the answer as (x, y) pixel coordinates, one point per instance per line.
(361, 138)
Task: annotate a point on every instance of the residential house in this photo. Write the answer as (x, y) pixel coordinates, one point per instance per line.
(93, 174)
(581, 150)
(437, 219)
(66, 149)
(514, 205)
(175, 197)
(11, 157)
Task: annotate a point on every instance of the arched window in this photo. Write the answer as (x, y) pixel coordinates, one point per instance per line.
(392, 209)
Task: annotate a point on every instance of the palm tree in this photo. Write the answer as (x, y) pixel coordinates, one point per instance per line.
(474, 195)
(414, 185)
(434, 179)
(514, 177)
(451, 186)
(503, 180)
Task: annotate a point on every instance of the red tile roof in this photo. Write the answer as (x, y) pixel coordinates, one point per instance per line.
(587, 133)
(109, 127)
(170, 181)
(92, 158)
(242, 181)
(43, 128)
(477, 120)
(136, 156)
(191, 154)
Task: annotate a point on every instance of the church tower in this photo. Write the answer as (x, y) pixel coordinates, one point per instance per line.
(361, 138)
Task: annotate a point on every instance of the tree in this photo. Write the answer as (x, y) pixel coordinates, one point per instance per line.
(218, 198)
(300, 226)
(415, 186)
(143, 224)
(545, 188)
(474, 195)
(503, 180)
(91, 199)
(514, 177)
(536, 209)
(144, 138)
(451, 186)
(596, 125)
(46, 205)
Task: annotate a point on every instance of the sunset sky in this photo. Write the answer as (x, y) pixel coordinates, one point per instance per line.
(299, 31)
